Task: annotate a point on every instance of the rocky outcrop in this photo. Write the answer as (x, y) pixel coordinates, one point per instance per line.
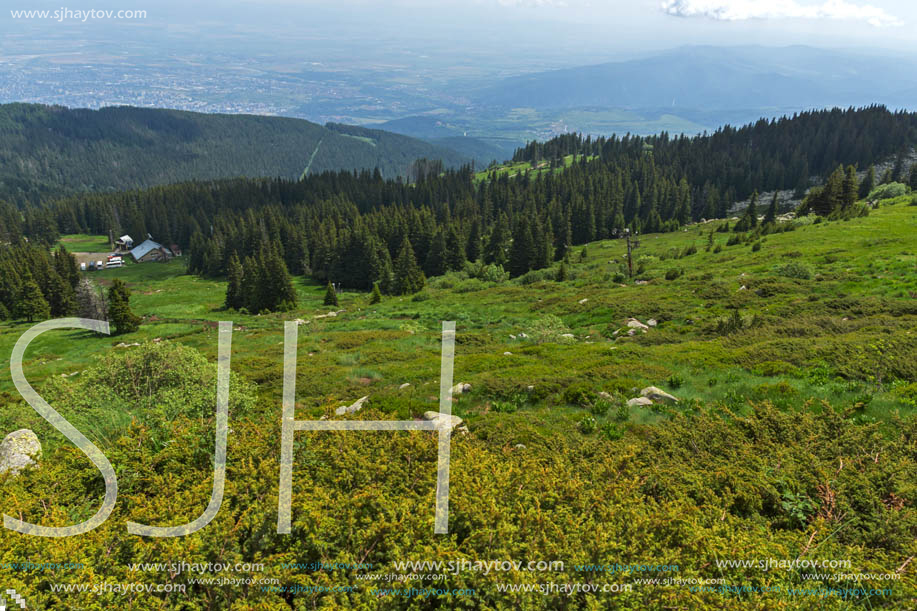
(19, 450)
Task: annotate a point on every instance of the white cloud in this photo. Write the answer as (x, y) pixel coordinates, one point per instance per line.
(532, 3)
(738, 10)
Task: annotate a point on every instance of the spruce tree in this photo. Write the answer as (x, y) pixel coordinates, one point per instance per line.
(770, 216)
(376, 296)
(331, 296)
(408, 278)
(850, 188)
(435, 264)
(522, 250)
(473, 248)
(912, 179)
(562, 272)
(31, 303)
(235, 298)
(495, 252)
(119, 308)
(869, 182)
(455, 250)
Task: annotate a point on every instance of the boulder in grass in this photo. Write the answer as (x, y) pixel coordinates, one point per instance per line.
(657, 395)
(633, 323)
(439, 419)
(460, 388)
(353, 407)
(19, 449)
(639, 402)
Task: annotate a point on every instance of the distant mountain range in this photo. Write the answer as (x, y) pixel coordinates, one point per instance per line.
(716, 78)
(688, 90)
(48, 151)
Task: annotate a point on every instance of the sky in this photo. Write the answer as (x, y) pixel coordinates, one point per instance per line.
(562, 32)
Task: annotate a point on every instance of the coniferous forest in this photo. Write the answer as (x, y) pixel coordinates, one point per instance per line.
(354, 228)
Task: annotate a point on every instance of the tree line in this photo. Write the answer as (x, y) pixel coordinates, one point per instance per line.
(358, 229)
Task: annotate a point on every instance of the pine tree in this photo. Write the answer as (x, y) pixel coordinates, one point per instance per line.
(495, 252)
(561, 272)
(850, 188)
(770, 216)
(119, 308)
(752, 211)
(61, 298)
(869, 182)
(435, 264)
(522, 250)
(250, 280)
(455, 250)
(376, 296)
(473, 248)
(912, 179)
(31, 304)
(331, 296)
(235, 299)
(408, 278)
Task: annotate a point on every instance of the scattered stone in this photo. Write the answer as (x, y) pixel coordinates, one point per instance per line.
(657, 395)
(639, 402)
(19, 449)
(462, 429)
(604, 395)
(300, 321)
(507, 354)
(329, 314)
(652, 322)
(460, 388)
(512, 336)
(123, 345)
(442, 419)
(633, 323)
(567, 335)
(354, 407)
(520, 446)
(523, 336)
(530, 388)
(642, 282)
(742, 288)
(584, 300)
(403, 386)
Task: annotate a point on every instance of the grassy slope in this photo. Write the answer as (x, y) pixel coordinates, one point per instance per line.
(568, 496)
(864, 273)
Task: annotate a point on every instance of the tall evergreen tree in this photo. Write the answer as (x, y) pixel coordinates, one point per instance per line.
(522, 250)
(235, 298)
(455, 250)
(869, 182)
(435, 264)
(495, 253)
(473, 248)
(771, 215)
(850, 189)
(119, 308)
(31, 303)
(408, 278)
(331, 296)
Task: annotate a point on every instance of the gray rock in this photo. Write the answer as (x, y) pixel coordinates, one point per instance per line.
(353, 407)
(403, 386)
(520, 446)
(584, 300)
(639, 402)
(657, 395)
(507, 354)
(606, 396)
(19, 449)
(652, 322)
(439, 419)
(460, 388)
(633, 323)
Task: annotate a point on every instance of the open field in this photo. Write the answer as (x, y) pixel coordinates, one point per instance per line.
(816, 385)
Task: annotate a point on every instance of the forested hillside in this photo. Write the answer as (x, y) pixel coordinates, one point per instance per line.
(46, 151)
(353, 229)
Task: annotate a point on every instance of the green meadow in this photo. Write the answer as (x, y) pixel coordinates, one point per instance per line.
(792, 356)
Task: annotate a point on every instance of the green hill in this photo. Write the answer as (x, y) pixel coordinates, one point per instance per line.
(48, 151)
(793, 437)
